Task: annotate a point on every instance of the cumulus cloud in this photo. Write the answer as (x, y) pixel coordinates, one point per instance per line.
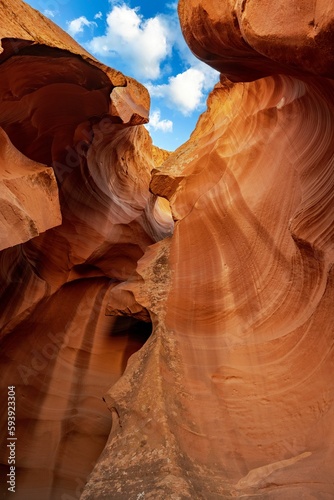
(212, 76)
(186, 90)
(143, 44)
(50, 13)
(144, 47)
(157, 124)
(172, 6)
(77, 25)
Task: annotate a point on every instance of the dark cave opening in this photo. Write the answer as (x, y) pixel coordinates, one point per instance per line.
(133, 332)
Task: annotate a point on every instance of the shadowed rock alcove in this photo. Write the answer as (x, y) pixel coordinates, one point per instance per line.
(73, 354)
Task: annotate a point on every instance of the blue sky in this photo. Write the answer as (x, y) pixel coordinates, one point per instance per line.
(142, 39)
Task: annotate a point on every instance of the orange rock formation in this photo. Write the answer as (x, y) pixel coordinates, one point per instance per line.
(232, 394)
(29, 196)
(75, 166)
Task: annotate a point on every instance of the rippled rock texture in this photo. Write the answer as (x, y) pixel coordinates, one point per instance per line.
(76, 216)
(232, 394)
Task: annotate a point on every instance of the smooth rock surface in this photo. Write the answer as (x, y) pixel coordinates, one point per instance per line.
(233, 394)
(232, 397)
(226, 250)
(29, 202)
(72, 140)
(245, 40)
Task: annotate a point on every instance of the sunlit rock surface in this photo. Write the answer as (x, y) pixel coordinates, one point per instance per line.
(231, 396)
(160, 155)
(76, 166)
(245, 39)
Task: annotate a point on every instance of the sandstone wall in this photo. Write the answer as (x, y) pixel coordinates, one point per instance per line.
(231, 396)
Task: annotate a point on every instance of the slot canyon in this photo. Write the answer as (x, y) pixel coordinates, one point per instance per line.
(166, 317)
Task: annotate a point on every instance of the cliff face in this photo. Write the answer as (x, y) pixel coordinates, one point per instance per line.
(232, 393)
(77, 215)
(232, 396)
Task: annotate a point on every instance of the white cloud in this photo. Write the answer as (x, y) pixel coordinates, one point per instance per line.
(186, 90)
(50, 13)
(172, 6)
(156, 124)
(143, 48)
(211, 76)
(77, 25)
(143, 44)
(98, 15)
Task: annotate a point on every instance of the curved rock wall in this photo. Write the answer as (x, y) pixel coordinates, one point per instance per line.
(235, 393)
(29, 196)
(77, 215)
(246, 40)
(232, 394)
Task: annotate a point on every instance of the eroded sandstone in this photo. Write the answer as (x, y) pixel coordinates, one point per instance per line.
(29, 196)
(232, 394)
(75, 155)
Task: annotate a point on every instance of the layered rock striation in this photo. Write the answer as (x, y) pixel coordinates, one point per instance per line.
(231, 396)
(77, 215)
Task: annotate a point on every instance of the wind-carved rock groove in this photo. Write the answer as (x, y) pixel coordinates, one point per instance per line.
(76, 165)
(232, 394)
